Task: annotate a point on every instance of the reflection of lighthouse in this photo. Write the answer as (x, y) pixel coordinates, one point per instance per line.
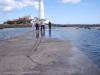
(41, 9)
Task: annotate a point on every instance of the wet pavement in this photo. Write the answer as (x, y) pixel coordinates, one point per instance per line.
(27, 55)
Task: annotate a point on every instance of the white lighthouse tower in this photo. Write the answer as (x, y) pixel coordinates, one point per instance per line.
(41, 12)
(41, 16)
(41, 9)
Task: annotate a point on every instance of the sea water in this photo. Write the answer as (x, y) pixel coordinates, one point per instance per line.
(86, 40)
(9, 33)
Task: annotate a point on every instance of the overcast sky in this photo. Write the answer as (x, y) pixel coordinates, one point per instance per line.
(58, 11)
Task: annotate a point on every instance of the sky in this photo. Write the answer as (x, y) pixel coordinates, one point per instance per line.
(57, 11)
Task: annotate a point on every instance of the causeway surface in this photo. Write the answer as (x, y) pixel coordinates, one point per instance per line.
(28, 55)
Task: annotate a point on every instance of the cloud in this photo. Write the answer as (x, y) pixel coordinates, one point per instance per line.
(9, 5)
(71, 1)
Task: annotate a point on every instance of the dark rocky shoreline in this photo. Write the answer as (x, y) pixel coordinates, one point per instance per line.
(14, 26)
(54, 25)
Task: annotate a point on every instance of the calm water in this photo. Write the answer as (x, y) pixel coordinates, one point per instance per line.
(12, 32)
(85, 40)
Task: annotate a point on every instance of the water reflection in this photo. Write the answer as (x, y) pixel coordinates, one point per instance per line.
(37, 33)
(49, 32)
(42, 33)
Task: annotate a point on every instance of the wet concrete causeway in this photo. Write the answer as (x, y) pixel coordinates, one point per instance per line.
(52, 57)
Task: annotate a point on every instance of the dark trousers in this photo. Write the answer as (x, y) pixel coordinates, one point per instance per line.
(37, 27)
(49, 27)
(42, 27)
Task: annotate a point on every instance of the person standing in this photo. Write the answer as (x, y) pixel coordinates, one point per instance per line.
(42, 26)
(42, 29)
(49, 25)
(33, 23)
(37, 26)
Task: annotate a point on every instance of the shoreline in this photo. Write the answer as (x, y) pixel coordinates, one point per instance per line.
(2, 26)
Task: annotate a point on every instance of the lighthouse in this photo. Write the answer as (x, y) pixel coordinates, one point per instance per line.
(41, 17)
(41, 9)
